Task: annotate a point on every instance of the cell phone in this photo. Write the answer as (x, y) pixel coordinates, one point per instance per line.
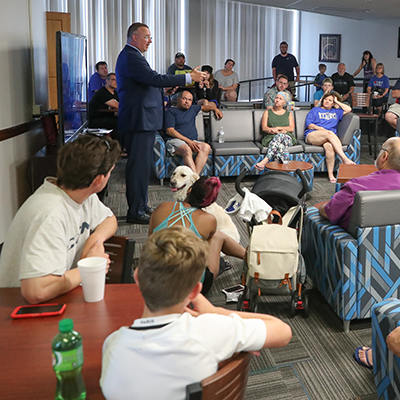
(43, 310)
(232, 293)
(232, 289)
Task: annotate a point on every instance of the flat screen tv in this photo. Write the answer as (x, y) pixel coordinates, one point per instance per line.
(72, 84)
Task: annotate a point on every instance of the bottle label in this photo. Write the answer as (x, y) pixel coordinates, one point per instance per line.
(68, 360)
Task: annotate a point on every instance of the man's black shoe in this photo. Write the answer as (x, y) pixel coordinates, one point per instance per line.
(143, 219)
(149, 210)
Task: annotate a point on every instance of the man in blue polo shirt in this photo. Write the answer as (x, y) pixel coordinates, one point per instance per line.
(180, 126)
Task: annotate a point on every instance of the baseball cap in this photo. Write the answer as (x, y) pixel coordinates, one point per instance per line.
(177, 55)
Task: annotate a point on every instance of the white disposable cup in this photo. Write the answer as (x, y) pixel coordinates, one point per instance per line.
(93, 277)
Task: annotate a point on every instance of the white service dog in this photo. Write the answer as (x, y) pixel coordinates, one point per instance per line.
(181, 180)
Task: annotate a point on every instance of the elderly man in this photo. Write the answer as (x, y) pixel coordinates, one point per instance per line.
(181, 128)
(282, 84)
(343, 83)
(393, 113)
(98, 79)
(338, 209)
(327, 87)
(284, 64)
(140, 115)
(62, 222)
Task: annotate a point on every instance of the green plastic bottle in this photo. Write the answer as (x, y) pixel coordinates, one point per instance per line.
(67, 362)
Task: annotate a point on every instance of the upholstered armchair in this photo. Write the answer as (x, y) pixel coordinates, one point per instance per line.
(358, 268)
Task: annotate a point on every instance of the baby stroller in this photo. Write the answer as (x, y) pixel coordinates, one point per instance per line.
(274, 264)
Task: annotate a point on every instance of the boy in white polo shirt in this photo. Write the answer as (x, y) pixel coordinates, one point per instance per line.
(173, 345)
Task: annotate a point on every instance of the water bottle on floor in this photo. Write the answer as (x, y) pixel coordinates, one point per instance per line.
(67, 362)
(285, 155)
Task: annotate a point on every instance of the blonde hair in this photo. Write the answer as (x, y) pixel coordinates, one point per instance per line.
(171, 263)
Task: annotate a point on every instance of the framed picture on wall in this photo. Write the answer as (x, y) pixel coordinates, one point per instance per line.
(329, 48)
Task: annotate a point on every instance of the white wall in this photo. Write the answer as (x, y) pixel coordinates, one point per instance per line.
(380, 37)
(15, 106)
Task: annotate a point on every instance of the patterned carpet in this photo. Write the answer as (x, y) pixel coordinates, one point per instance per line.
(318, 362)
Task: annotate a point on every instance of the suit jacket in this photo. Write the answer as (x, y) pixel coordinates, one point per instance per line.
(141, 105)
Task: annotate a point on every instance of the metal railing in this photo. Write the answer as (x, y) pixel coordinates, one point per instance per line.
(257, 87)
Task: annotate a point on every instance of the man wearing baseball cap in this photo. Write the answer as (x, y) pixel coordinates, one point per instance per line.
(177, 68)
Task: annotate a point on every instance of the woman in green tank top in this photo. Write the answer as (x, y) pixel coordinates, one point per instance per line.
(278, 126)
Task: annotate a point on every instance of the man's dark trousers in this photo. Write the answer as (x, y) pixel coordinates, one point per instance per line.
(139, 145)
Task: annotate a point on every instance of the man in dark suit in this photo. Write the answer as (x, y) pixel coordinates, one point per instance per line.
(141, 115)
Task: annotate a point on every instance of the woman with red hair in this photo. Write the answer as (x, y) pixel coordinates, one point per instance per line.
(189, 213)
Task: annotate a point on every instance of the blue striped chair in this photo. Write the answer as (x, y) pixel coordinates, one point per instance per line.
(385, 318)
(355, 270)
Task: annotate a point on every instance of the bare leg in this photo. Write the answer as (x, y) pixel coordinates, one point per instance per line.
(202, 157)
(330, 160)
(322, 136)
(391, 119)
(185, 152)
(261, 165)
(222, 242)
(230, 95)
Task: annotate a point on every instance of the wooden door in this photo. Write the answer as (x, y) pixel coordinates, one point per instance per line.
(55, 22)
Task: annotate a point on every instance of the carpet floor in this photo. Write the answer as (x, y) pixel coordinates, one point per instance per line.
(318, 362)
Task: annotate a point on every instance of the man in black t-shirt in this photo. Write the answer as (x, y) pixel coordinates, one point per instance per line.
(101, 107)
(283, 64)
(343, 83)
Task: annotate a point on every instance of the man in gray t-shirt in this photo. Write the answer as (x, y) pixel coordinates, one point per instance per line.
(62, 222)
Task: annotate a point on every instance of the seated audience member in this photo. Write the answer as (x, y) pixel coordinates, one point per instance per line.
(179, 68)
(327, 87)
(228, 80)
(364, 355)
(98, 79)
(393, 112)
(281, 85)
(278, 126)
(62, 222)
(104, 99)
(181, 337)
(338, 209)
(343, 83)
(189, 213)
(208, 89)
(321, 127)
(180, 125)
(378, 87)
(320, 77)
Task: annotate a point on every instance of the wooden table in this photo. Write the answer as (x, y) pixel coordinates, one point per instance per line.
(350, 171)
(26, 370)
(291, 167)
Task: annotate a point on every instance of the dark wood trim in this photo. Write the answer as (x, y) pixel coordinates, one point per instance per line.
(16, 130)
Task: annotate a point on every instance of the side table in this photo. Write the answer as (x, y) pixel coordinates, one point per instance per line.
(305, 167)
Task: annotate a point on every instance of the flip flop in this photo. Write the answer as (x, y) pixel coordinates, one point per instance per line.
(332, 180)
(365, 364)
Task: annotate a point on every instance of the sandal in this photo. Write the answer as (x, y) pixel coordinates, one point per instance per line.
(357, 357)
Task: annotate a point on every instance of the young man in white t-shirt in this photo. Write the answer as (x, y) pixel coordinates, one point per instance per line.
(62, 222)
(181, 337)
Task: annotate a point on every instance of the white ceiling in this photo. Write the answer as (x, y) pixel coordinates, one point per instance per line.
(356, 9)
